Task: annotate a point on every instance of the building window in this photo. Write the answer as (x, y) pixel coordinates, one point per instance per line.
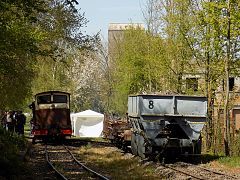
(192, 83)
(231, 83)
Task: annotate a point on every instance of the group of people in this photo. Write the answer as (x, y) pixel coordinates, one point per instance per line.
(14, 121)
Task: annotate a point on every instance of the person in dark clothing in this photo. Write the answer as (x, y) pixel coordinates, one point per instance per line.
(15, 114)
(21, 121)
(32, 107)
(4, 120)
(10, 123)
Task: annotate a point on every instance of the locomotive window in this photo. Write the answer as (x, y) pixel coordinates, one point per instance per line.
(59, 98)
(44, 99)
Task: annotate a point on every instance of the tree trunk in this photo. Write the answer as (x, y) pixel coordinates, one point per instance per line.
(226, 110)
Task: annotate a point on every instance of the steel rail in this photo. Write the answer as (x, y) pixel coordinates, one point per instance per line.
(212, 171)
(59, 174)
(85, 167)
(51, 165)
(184, 172)
(219, 173)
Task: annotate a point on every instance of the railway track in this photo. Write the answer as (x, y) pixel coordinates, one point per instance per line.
(198, 172)
(63, 162)
(189, 170)
(77, 142)
(66, 166)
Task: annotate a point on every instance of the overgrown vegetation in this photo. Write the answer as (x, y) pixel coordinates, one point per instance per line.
(10, 146)
(42, 47)
(20, 35)
(230, 161)
(113, 163)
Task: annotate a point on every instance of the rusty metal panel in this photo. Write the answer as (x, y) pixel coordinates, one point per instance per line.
(60, 118)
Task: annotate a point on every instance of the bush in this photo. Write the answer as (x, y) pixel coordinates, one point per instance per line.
(10, 146)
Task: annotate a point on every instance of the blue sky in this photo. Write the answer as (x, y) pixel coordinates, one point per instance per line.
(102, 12)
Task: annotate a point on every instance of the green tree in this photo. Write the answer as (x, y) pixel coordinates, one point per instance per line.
(63, 50)
(216, 47)
(199, 38)
(139, 66)
(19, 36)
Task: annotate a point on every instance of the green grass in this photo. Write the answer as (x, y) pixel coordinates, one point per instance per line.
(97, 139)
(230, 161)
(115, 165)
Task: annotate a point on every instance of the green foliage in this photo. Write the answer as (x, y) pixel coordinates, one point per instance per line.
(63, 49)
(197, 39)
(236, 146)
(230, 161)
(139, 66)
(212, 34)
(150, 63)
(38, 45)
(18, 47)
(10, 145)
(220, 45)
(201, 36)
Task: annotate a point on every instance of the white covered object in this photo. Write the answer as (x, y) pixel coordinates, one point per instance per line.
(87, 123)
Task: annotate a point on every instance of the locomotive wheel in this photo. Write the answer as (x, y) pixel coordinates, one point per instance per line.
(134, 145)
(197, 147)
(33, 140)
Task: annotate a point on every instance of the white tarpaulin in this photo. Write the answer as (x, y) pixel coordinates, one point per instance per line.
(87, 123)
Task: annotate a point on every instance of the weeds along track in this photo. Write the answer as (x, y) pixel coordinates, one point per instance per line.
(66, 166)
(198, 172)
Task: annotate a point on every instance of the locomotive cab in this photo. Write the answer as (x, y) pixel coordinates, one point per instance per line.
(51, 115)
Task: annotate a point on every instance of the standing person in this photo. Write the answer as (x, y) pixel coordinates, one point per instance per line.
(21, 121)
(32, 107)
(10, 126)
(4, 120)
(15, 114)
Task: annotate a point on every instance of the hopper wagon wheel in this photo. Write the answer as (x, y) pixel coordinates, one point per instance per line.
(134, 144)
(197, 146)
(141, 147)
